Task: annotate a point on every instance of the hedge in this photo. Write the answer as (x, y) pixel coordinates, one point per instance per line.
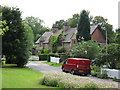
(43, 57)
(47, 56)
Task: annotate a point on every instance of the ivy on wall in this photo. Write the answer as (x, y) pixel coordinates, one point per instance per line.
(54, 43)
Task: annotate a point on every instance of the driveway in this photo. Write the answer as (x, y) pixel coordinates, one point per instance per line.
(45, 68)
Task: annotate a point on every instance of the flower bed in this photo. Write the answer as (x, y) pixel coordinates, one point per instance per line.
(66, 80)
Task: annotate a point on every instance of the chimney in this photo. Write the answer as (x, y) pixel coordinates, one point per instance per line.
(66, 26)
(54, 29)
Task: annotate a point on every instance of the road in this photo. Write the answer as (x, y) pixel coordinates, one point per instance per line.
(45, 68)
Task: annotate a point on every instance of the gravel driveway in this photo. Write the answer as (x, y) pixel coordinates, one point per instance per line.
(45, 68)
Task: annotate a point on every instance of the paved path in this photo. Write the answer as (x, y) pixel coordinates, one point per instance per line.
(45, 68)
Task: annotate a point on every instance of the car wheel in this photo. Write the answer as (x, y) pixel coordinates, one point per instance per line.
(73, 72)
(85, 74)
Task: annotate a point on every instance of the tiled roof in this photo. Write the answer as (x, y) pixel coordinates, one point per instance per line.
(69, 33)
(46, 36)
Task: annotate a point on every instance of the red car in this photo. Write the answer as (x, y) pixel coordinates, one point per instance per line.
(77, 66)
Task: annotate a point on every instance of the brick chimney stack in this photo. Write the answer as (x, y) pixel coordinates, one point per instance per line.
(66, 26)
(54, 29)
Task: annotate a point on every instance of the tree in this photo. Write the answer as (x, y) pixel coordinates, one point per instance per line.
(85, 49)
(111, 59)
(36, 25)
(117, 36)
(83, 29)
(17, 40)
(26, 45)
(59, 24)
(3, 27)
(98, 20)
(73, 21)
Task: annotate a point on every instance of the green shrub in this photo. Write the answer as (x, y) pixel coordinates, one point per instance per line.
(43, 51)
(61, 50)
(95, 68)
(103, 76)
(43, 56)
(56, 54)
(94, 73)
(115, 79)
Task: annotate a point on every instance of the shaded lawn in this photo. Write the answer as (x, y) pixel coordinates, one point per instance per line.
(53, 64)
(13, 77)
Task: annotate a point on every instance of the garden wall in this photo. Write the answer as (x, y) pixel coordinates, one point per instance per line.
(113, 73)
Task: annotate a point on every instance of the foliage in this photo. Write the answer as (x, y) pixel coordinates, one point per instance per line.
(56, 54)
(111, 58)
(61, 49)
(3, 27)
(65, 80)
(98, 20)
(3, 24)
(110, 33)
(36, 25)
(54, 43)
(43, 57)
(44, 51)
(73, 21)
(88, 49)
(17, 41)
(103, 76)
(83, 29)
(117, 36)
(59, 24)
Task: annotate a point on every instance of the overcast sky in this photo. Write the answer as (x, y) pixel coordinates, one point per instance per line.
(53, 10)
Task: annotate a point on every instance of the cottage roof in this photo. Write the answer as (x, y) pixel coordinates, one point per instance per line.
(69, 33)
(37, 41)
(46, 36)
(93, 28)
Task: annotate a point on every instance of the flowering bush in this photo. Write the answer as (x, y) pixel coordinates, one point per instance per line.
(66, 80)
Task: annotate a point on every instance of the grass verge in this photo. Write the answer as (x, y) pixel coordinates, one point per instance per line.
(53, 64)
(13, 77)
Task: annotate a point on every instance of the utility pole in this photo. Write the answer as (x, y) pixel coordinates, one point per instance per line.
(106, 46)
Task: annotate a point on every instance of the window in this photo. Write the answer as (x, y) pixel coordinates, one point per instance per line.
(66, 62)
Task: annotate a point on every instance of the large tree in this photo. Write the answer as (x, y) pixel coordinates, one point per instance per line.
(17, 41)
(73, 21)
(83, 29)
(36, 25)
(59, 24)
(98, 20)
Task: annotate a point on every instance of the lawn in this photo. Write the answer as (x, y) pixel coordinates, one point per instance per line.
(13, 77)
(53, 64)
